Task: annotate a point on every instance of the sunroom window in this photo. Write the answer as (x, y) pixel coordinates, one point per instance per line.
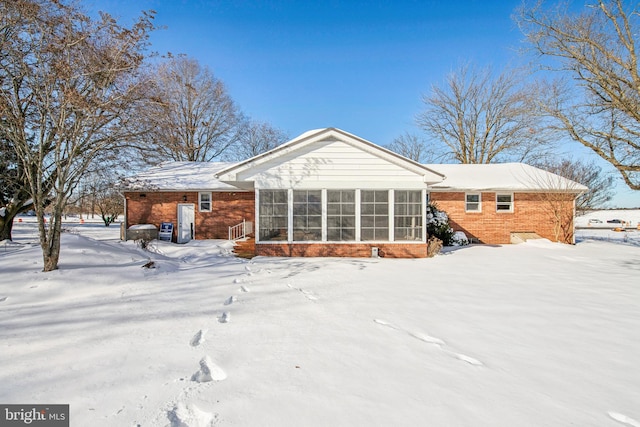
(307, 215)
(273, 213)
(341, 215)
(374, 216)
(407, 215)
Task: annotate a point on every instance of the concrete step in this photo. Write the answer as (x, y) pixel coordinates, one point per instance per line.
(523, 236)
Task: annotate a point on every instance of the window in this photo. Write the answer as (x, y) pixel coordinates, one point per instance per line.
(341, 215)
(273, 213)
(374, 215)
(473, 202)
(407, 215)
(504, 202)
(204, 202)
(307, 215)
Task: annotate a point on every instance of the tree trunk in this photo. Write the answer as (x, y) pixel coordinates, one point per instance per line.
(50, 241)
(6, 225)
(11, 211)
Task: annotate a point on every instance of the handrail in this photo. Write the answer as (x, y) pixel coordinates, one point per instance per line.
(240, 231)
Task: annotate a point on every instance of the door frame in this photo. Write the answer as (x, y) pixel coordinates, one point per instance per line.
(179, 238)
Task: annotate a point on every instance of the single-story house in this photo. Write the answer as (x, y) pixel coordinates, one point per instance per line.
(330, 193)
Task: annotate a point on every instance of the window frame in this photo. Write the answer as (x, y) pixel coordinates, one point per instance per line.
(273, 217)
(201, 202)
(376, 216)
(467, 202)
(309, 233)
(401, 219)
(510, 203)
(340, 216)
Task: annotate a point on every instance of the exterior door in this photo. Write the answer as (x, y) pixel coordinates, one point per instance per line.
(186, 222)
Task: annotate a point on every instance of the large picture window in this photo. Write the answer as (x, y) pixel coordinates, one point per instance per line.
(341, 215)
(374, 215)
(273, 211)
(407, 215)
(307, 215)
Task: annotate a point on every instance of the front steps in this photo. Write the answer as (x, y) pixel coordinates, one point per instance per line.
(245, 248)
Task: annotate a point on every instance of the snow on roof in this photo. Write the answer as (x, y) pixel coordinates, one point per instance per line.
(502, 176)
(180, 176)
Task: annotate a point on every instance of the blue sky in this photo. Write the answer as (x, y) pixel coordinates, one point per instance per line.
(361, 66)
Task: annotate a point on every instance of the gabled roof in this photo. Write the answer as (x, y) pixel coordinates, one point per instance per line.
(178, 176)
(502, 176)
(317, 135)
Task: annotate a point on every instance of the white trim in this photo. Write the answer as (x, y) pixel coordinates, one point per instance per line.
(473, 193)
(290, 215)
(511, 203)
(323, 214)
(200, 194)
(391, 212)
(424, 214)
(256, 216)
(358, 235)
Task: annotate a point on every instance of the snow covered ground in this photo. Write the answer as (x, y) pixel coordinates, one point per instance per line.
(538, 334)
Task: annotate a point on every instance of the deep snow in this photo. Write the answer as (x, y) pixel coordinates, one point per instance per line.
(528, 335)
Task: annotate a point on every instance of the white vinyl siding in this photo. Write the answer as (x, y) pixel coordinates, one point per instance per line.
(334, 164)
(473, 202)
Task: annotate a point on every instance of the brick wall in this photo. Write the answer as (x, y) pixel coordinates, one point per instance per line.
(227, 209)
(550, 215)
(356, 250)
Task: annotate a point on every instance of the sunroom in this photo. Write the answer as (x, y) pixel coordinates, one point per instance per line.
(331, 193)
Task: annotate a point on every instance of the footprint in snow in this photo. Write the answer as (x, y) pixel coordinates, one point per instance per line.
(3, 299)
(225, 317)
(469, 360)
(623, 419)
(427, 338)
(189, 415)
(308, 294)
(208, 371)
(435, 341)
(230, 300)
(244, 289)
(198, 338)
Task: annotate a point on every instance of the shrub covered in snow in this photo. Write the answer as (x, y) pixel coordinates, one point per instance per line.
(459, 239)
(438, 226)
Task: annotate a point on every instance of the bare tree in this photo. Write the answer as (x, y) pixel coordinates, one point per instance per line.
(413, 147)
(14, 193)
(109, 203)
(482, 118)
(67, 82)
(597, 48)
(256, 138)
(191, 117)
(599, 183)
(557, 195)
